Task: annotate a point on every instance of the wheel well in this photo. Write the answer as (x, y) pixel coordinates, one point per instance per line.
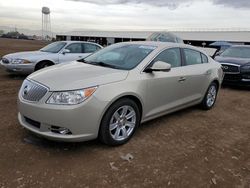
(133, 98)
(136, 100)
(43, 61)
(217, 83)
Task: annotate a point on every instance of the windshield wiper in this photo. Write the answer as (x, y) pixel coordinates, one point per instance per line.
(83, 61)
(102, 64)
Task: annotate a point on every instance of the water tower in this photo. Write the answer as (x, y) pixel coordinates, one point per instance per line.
(46, 25)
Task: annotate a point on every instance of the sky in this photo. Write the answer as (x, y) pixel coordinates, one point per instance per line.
(131, 15)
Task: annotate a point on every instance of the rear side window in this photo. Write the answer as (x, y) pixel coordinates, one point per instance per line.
(171, 56)
(192, 57)
(204, 58)
(90, 48)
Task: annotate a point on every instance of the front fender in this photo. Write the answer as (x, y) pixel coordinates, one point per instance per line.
(110, 93)
(52, 58)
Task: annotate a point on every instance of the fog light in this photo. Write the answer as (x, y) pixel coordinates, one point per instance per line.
(60, 130)
(64, 131)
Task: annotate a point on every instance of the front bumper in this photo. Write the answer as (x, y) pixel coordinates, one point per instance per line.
(82, 120)
(237, 79)
(18, 68)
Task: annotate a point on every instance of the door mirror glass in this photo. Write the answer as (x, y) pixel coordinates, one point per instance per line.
(65, 51)
(159, 66)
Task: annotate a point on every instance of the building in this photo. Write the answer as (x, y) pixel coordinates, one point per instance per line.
(196, 38)
(104, 37)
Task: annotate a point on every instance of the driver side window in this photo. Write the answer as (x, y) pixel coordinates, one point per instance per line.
(74, 48)
(171, 56)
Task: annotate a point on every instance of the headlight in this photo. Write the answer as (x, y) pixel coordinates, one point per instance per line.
(71, 97)
(245, 68)
(20, 61)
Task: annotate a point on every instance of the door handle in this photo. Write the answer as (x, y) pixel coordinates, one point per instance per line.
(182, 79)
(80, 56)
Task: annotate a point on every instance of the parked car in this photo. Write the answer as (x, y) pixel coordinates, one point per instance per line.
(109, 93)
(236, 65)
(54, 53)
(164, 37)
(209, 51)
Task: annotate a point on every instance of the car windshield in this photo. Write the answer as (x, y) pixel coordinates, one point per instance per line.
(120, 56)
(53, 47)
(237, 52)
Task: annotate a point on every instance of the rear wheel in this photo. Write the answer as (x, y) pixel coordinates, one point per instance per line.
(210, 97)
(119, 122)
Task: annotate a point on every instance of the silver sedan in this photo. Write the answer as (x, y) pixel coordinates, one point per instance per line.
(52, 54)
(108, 94)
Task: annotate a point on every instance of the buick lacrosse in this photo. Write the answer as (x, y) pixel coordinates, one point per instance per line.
(108, 94)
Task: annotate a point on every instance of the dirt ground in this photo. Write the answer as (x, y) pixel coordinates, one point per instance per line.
(191, 148)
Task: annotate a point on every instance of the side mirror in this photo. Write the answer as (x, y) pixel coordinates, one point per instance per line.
(159, 66)
(65, 51)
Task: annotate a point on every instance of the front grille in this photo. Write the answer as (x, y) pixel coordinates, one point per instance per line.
(32, 91)
(5, 61)
(232, 77)
(231, 69)
(33, 122)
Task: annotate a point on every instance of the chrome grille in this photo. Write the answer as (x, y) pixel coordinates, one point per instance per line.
(230, 68)
(5, 61)
(32, 91)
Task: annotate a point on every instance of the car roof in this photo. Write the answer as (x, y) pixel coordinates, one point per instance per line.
(72, 41)
(166, 45)
(156, 43)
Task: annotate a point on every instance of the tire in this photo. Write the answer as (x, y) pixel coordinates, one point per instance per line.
(119, 122)
(42, 65)
(210, 97)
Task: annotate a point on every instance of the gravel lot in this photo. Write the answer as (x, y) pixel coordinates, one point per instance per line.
(191, 148)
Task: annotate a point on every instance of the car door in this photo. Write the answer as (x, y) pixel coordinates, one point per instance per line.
(74, 53)
(165, 89)
(197, 71)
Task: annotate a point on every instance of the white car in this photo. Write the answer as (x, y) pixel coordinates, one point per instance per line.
(54, 53)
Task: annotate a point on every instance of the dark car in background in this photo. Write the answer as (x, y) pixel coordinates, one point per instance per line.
(235, 63)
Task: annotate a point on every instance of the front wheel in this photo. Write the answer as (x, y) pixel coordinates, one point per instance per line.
(42, 65)
(119, 122)
(210, 97)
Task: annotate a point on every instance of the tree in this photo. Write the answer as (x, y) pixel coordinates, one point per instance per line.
(15, 35)
(1, 32)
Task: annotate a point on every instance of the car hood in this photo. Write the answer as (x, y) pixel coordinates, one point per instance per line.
(76, 75)
(25, 55)
(237, 61)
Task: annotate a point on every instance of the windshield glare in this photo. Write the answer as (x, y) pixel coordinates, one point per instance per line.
(237, 52)
(121, 56)
(53, 47)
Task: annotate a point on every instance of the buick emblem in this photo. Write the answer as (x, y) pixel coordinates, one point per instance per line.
(26, 90)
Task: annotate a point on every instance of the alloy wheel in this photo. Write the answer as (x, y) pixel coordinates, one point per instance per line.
(122, 123)
(211, 95)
